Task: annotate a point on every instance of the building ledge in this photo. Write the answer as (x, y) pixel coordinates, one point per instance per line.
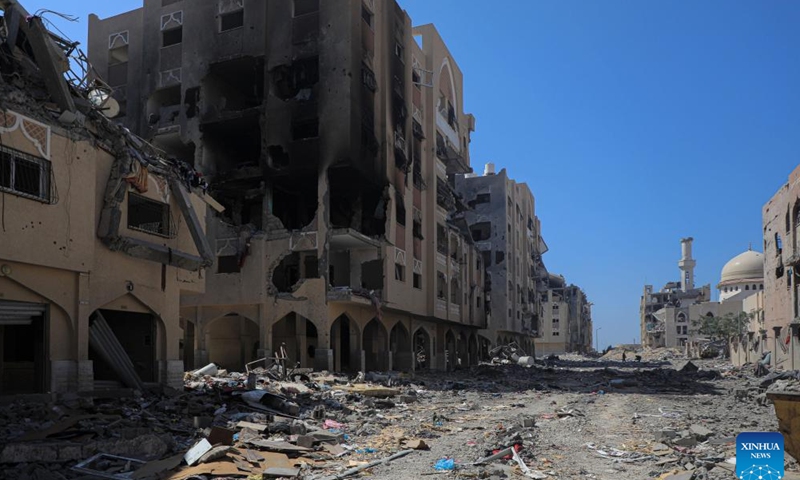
(350, 239)
(351, 295)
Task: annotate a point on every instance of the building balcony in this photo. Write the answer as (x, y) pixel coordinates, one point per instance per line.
(441, 305)
(455, 310)
(360, 296)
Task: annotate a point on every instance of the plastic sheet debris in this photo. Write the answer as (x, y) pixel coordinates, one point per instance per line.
(445, 464)
(197, 451)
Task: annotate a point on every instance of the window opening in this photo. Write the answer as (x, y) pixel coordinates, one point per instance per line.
(149, 216)
(25, 175)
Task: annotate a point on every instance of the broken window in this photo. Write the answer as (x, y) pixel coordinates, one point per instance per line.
(400, 50)
(399, 272)
(400, 209)
(118, 59)
(173, 36)
(372, 274)
(228, 264)
(149, 216)
(487, 258)
(303, 7)
(311, 266)
(444, 197)
(305, 129)
(441, 239)
(478, 301)
(366, 15)
(233, 85)
(499, 257)
(416, 152)
(289, 271)
(231, 20)
(25, 175)
(368, 78)
(441, 285)
(306, 72)
(455, 293)
(481, 231)
(778, 243)
(417, 230)
(417, 278)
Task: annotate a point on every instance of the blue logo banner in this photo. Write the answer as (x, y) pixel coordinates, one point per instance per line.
(759, 456)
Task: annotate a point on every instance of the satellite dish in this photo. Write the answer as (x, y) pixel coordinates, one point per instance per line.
(111, 108)
(103, 101)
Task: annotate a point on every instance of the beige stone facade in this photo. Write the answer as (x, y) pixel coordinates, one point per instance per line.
(56, 271)
(502, 220)
(566, 319)
(778, 328)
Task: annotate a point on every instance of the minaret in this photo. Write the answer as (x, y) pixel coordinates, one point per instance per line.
(686, 264)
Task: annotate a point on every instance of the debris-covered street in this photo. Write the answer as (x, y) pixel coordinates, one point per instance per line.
(569, 417)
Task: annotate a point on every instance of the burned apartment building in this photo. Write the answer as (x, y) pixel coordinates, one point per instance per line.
(503, 224)
(566, 322)
(330, 132)
(100, 233)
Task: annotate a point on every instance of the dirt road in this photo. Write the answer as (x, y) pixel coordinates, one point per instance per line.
(593, 421)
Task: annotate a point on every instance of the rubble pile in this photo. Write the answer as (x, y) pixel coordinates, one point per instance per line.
(571, 419)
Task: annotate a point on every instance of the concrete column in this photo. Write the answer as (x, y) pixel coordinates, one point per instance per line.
(323, 359)
(200, 332)
(200, 358)
(362, 361)
(82, 319)
(63, 375)
(793, 362)
(300, 341)
(172, 375)
(85, 375)
(390, 361)
(775, 341)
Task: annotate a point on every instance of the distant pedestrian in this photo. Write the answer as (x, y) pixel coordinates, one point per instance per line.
(624, 358)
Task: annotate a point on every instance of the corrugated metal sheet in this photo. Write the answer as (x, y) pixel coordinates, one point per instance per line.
(20, 311)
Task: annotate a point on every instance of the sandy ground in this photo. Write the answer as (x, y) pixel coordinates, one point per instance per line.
(570, 418)
(627, 418)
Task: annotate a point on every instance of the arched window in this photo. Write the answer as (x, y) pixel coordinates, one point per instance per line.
(747, 287)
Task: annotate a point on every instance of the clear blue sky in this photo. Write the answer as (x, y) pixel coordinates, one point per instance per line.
(634, 124)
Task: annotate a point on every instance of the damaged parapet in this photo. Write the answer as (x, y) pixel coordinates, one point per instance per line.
(69, 80)
(133, 156)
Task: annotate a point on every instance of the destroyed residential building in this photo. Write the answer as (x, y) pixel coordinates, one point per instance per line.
(672, 317)
(330, 133)
(503, 224)
(657, 328)
(100, 236)
(566, 319)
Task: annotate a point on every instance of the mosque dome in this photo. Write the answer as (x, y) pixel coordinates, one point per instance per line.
(745, 266)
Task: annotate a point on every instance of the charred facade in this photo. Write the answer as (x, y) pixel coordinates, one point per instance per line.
(330, 137)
